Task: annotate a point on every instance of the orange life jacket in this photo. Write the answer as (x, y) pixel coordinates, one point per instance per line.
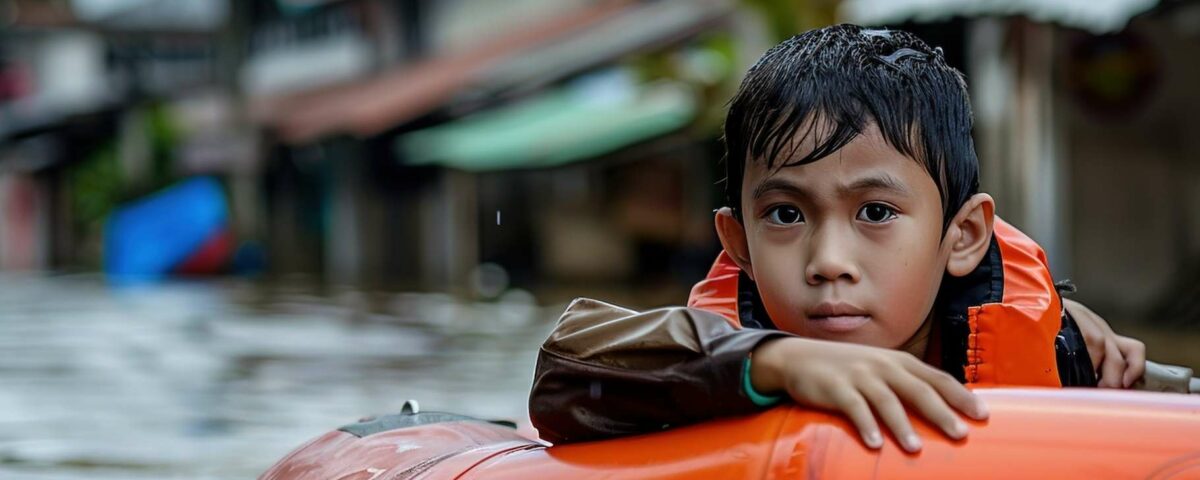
(1004, 323)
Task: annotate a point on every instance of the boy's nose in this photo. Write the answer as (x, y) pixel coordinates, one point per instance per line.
(830, 259)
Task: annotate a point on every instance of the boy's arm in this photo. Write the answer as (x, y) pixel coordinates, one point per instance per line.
(607, 371)
(1119, 361)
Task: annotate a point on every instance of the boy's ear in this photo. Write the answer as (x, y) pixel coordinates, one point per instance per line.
(733, 239)
(970, 234)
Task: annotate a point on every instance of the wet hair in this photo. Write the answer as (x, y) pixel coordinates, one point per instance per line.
(824, 86)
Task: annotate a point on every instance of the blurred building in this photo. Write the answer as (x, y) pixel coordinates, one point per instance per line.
(80, 127)
(506, 139)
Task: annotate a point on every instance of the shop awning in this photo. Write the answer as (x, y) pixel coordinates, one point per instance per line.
(554, 128)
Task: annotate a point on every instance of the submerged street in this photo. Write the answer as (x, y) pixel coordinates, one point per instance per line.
(220, 380)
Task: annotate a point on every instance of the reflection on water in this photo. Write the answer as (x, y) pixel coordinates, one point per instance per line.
(219, 380)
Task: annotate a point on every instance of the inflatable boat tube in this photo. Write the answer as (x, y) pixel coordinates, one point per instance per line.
(1032, 433)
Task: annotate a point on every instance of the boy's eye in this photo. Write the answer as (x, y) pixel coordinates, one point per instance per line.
(876, 213)
(785, 215)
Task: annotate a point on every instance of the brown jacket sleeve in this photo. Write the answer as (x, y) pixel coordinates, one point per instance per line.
(608, 371)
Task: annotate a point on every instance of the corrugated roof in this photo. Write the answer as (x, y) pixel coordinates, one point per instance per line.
(1096, 16)
(533, 56)
(372, 105)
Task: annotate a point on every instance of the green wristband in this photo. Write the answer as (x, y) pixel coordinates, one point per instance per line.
(748, 387)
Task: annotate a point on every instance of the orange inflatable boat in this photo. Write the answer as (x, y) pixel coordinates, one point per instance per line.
(1032, 433)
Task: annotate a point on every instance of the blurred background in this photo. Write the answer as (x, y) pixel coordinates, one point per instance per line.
(229, 226)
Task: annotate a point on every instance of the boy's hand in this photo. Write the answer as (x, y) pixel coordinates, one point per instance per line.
(858, 379)
(1118, 360)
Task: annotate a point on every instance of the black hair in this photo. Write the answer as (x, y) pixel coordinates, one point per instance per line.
(831, 82)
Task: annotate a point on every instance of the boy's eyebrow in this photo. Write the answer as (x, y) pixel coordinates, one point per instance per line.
(874, 182)
(779, 184)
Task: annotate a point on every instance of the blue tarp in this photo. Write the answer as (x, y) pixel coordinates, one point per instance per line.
(149, 237)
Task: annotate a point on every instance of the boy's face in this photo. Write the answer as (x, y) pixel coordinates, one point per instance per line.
(848, 247)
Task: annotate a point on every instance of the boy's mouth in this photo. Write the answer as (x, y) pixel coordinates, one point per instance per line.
(838, 317)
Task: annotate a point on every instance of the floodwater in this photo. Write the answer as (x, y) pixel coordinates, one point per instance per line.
(219, 379)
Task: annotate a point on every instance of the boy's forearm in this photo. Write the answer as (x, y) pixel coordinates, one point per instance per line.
(766, 368)
(608, 371)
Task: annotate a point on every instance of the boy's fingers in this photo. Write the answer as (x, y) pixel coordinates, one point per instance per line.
(954, 393)
(852, 403)
(932, 406)
(1113, 368)
(891, 411)
(1134, 352)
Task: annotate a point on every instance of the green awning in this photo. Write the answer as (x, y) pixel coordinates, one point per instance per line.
(555, 128)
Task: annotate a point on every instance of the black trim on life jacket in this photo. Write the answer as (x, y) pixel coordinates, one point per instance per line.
(1070, 348)
(1074, 362)
(751, 312)
(983, 285)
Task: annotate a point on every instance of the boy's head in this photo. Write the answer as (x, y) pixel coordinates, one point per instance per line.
(853, 183)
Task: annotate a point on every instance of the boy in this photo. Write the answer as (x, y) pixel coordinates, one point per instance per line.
(856, 245)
